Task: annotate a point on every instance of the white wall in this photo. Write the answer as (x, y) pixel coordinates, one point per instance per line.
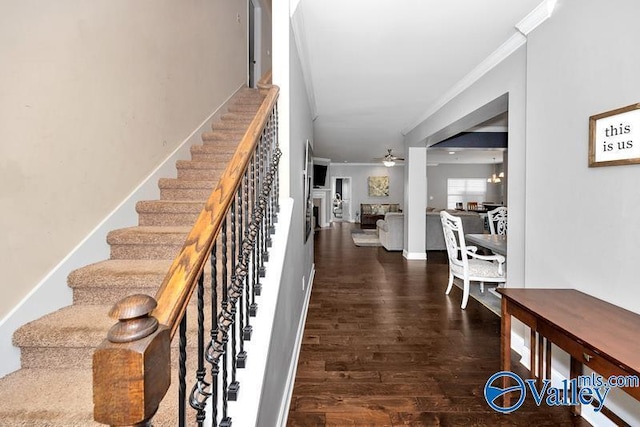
(93, 96)
(359, 185)
(295, 128)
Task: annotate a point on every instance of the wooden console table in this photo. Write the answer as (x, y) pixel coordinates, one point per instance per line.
(595, 333)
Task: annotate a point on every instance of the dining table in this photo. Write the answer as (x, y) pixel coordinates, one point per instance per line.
(497, 243)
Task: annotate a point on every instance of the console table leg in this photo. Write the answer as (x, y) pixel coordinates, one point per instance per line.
(505, 348)
(548, 360)
(532, 354)
(575, 368)
(540, 360)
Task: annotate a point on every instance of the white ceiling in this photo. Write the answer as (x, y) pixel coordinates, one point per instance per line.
(373, 68)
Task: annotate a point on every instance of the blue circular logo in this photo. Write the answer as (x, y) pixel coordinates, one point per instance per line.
(492, 394)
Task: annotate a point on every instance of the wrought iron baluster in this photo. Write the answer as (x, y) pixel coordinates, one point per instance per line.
(209, 353)
(241, 359)
(200, 392)
(263, 235)
(223, 347)
(274, 127)
(257, 286)
(232, 392)
(182, 372)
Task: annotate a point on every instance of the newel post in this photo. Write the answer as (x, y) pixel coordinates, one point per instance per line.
(131, 368)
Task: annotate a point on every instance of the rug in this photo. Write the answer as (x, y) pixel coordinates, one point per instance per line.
(489, 298)
(365, 238)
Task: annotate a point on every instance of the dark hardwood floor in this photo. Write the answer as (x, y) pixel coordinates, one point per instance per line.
(383, 345)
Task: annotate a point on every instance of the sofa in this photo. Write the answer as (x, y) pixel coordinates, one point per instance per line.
(472, 223)
(370, 213)
(391, 231)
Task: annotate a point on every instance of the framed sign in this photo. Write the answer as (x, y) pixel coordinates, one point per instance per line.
(614, 137)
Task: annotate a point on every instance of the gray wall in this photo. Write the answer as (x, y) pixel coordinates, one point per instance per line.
(299, 256)
(598, 72)
(437, 182)
(359, 175)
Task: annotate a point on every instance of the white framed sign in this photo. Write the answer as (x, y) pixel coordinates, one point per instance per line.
(614, 137)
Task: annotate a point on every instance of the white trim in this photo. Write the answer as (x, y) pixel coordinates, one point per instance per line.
(293, 368)
(498, 55)
(418, 256)
(536, 17)
(52, 292)
(245, 409)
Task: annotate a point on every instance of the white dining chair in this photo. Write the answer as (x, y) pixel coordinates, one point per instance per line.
(465, 263)
(498, 220)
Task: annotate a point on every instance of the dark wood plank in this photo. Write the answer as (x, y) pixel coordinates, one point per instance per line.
(384, 345)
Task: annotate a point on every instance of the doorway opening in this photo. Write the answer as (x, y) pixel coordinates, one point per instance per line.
(341, 208)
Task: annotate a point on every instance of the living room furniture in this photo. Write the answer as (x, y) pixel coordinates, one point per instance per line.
(471, 221)
(465, 263)
(391, 231)
(595, 333)
(370, 213)
(498, 220)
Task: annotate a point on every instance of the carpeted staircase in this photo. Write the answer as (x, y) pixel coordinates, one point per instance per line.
(54, 386)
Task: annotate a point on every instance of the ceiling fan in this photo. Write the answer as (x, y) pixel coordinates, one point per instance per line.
(389, 159)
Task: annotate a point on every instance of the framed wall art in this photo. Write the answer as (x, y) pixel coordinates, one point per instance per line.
(614, 137)
(307, 182)
(378, 186)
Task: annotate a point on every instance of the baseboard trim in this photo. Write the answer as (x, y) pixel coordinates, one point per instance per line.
(52, 292)
(293, 368)
(418, 256)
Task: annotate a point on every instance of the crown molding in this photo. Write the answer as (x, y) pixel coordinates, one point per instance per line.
(496, 57)
(537, 16)
(297, 22)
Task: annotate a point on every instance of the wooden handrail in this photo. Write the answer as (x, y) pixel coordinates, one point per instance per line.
(179, 283)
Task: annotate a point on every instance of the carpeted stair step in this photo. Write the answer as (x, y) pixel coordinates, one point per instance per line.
(147, 242)
(65, 338)
(47, 397)
(180, 189)
(199, 170)
(247, 107)
(64, 397)
(168, 213)
(213, 153)
(107, 282)
(247, 95)
(223, 137)
(68, 337)
(232, 125)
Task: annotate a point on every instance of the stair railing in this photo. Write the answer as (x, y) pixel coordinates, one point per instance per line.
(229, 244)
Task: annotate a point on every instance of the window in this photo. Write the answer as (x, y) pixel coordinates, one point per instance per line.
(464, 190)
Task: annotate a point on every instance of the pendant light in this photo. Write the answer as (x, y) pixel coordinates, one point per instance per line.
(495, 179)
